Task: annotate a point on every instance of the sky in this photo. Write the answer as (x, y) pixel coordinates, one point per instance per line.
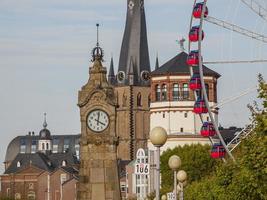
(45, 49)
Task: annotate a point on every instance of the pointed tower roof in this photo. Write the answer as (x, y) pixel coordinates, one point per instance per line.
(157, 63)
(111, 74)
(134, 42)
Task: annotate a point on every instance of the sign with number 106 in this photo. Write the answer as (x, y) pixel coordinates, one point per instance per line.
(141, 168)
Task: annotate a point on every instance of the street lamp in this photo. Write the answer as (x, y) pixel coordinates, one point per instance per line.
(182, 176)
(158, 137)
(174, 164)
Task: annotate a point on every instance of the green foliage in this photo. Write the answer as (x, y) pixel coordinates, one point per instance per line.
(196, 162)
(247, 178)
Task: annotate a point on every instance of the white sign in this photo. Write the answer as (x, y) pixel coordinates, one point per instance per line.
(141, 168)
(170, 196)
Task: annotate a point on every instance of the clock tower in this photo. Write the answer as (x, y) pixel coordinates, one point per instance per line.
(98, 178)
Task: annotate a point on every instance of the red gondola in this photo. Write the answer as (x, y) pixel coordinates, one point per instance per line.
(198, 10)
(195, 82)
(200, 107)
(207, 130)
(193, 58)
(194, 34)
(217, 151)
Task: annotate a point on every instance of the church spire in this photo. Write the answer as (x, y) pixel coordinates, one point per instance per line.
(111, 75)
(45, 123)
(134, 44)
(157, 63)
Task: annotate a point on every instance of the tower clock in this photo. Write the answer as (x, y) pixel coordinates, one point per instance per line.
(98, 174)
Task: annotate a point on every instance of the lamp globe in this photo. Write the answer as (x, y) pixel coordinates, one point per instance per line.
(174, 162)
(164, 197)
(181, 176)
(158, 136)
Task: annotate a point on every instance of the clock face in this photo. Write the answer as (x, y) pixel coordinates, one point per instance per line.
(97, 120)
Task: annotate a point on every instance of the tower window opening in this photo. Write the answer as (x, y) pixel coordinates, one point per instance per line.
(163, 115)
(164, 92)
(158, 91)
(139, 100)
(185, 115)
(185, 91)
(175, 92)
(43, 146)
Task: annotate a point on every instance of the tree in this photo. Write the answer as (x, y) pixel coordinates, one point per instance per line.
(196, 162)
(245, 179)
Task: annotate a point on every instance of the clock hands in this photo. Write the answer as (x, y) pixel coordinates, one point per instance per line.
(98, 115)
(99, 122)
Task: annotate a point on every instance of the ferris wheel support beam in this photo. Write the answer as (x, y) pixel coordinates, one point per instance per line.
(235, 61)
(236, 29)
(257, 8)
(204, 92)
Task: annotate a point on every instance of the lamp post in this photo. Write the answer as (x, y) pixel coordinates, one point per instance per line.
(158, 137)
(174, 163)
(182, 176)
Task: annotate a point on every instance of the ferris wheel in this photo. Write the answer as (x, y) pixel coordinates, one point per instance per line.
(195, 60)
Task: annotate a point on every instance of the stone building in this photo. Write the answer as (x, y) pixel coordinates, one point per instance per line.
(132, 83)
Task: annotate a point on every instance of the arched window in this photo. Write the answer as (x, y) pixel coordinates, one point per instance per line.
(207, 90)
(43, 146)
(164, 92)
(175, 92)
(139, 100)
(158, 91)
(185, 91)
(149, 100)
(47, 146)
(124, 100)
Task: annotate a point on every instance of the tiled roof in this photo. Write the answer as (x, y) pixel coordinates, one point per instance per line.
(178, 66)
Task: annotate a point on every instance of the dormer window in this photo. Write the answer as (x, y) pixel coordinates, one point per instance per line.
(64, 163)
(18, 164)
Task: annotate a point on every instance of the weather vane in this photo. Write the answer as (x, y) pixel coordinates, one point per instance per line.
(181, 43)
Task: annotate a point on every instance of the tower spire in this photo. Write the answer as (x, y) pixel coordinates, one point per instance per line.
(111, 74)
(45, 123)
(157, 62)
(134, 44)
(97, 53)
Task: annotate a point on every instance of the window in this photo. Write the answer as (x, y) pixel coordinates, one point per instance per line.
(17, 196)
(175, 92)
(47, 146)
(64, 163)
(34, 146)
(63, 178)
(55, 145)
(185, 115)
(77, 147)
(208, 119)
(66, 144)
(23, 145)
(158, 91)
(163, 115)
(182, 130)
(207, 90)
(8, 192)
(149, 100)
(31, 195)
(139, 100)
(18, 164)
(185, 91)
(43, 146)
(164, 92)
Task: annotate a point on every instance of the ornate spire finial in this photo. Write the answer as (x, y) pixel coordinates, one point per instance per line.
(45, 123)
(97, 53)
